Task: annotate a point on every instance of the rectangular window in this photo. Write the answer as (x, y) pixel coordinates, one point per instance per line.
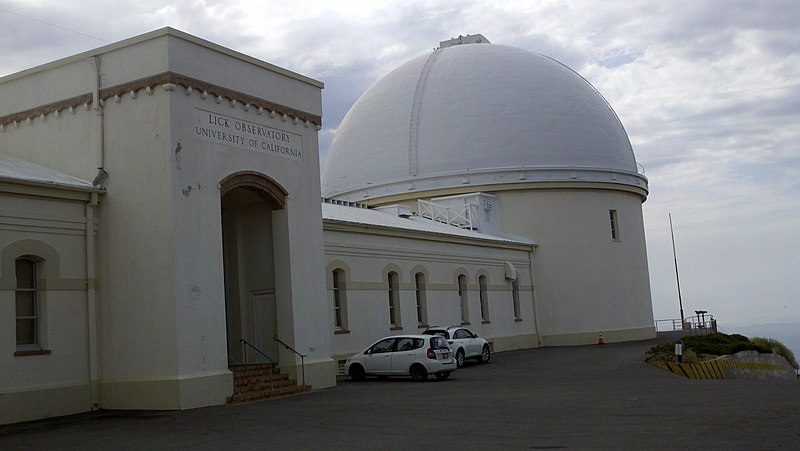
(614, 224)
(462, 296)
(422, 310)
(394, 300)
(484, 299)
(339, 301)
(515, 298)
(27, 305)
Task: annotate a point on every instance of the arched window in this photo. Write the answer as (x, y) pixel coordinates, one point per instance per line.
(515, 298)
(394, 300)
(462, 297)
(339, 301)
(422, 308)
(484, 298)
(27, 303)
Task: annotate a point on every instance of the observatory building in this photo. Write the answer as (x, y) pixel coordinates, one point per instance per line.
(160, 218)
(522, 139)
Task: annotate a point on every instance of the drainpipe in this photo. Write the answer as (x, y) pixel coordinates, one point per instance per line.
(97, 105)
(91, 208)
(91, 300)
(533, 298)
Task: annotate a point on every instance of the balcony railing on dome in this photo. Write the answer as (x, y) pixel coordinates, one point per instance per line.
(466, 217)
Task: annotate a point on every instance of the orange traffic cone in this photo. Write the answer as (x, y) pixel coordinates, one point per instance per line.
(600, 339)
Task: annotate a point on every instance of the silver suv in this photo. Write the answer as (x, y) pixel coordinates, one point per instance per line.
(465, 344)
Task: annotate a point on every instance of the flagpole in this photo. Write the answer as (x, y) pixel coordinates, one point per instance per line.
(675, 257)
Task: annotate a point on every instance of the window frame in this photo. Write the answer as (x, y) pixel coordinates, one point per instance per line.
(393, 280)
(420, 287)
(483, 286)
(463, 298)
(614, 222)
(35, 304)
(339, 288)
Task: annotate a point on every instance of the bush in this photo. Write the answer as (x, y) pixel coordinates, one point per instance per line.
(722, 344)
(690, 356)
(777, 348)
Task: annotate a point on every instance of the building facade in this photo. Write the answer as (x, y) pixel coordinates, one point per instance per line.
(160, 203)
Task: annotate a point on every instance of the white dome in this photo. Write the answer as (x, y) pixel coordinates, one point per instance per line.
(475, 115)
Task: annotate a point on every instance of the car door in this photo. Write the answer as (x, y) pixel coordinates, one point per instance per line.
(471, 345)
(379, 360)
(404, 354)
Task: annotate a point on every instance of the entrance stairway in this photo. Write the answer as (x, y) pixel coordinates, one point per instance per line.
(252, 383)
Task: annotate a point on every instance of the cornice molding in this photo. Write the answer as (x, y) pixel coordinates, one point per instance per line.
(169, 81)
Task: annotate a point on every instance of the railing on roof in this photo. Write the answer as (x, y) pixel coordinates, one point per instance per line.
(466, 217)
(346, 203)
(692, 325)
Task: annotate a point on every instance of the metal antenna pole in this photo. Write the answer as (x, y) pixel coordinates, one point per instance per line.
(675, 257)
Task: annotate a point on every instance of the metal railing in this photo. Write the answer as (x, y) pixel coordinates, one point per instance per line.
(693, 325)
(466, 217)
(272, 362)
(302, 357)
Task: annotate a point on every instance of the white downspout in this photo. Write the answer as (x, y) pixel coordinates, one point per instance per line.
(91, 264)
(97, 105)
(539, 339)
(91, 300)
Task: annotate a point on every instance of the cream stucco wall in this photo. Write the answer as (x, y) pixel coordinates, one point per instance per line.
(367, 256)
(161, 324)
(586, 282)
(51, 226)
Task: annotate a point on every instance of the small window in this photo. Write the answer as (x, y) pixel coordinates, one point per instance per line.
(614, 224)
(394, 299)
(462, 297)
(422, 309)
(339, 300)
(515, 298)
(27, 304)
(484, 294)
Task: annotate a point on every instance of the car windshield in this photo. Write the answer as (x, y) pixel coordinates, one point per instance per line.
(441, 332)
(439, 343)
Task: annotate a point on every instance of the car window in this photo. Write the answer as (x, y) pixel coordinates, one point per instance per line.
(439, 343)
(441, 332)
(461, 333)
(406, 344)
(385, 345)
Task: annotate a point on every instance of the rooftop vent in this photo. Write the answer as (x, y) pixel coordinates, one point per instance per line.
(396, 210)
(468, 39)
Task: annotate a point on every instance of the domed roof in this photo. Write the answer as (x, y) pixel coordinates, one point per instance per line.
(474, 115)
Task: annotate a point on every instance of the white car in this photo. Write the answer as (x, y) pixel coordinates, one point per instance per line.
(465, 344)
(403, 355)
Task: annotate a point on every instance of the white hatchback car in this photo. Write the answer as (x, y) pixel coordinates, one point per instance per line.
(465, 344)
(401, 355)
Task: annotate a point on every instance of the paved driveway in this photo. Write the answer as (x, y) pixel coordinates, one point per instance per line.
(579, 397)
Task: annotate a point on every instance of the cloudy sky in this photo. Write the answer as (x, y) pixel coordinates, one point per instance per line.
(709, 92)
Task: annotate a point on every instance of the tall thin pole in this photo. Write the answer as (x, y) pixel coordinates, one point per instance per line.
(675, 257)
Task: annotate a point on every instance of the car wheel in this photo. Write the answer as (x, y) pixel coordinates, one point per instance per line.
(357, 373)
(485, 355)
(442, 376)
(418, 373)
(459, 358)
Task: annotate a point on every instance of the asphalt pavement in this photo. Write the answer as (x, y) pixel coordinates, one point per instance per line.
(586, 397)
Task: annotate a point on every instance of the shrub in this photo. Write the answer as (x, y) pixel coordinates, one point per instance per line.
(690, 356)
(722, 344)
(777, 348)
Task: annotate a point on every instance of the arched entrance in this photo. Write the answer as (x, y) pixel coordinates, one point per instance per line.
(249, 202)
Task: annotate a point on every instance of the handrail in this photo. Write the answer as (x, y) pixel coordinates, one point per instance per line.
(272, 362)
(691, 324)
(302, 357)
